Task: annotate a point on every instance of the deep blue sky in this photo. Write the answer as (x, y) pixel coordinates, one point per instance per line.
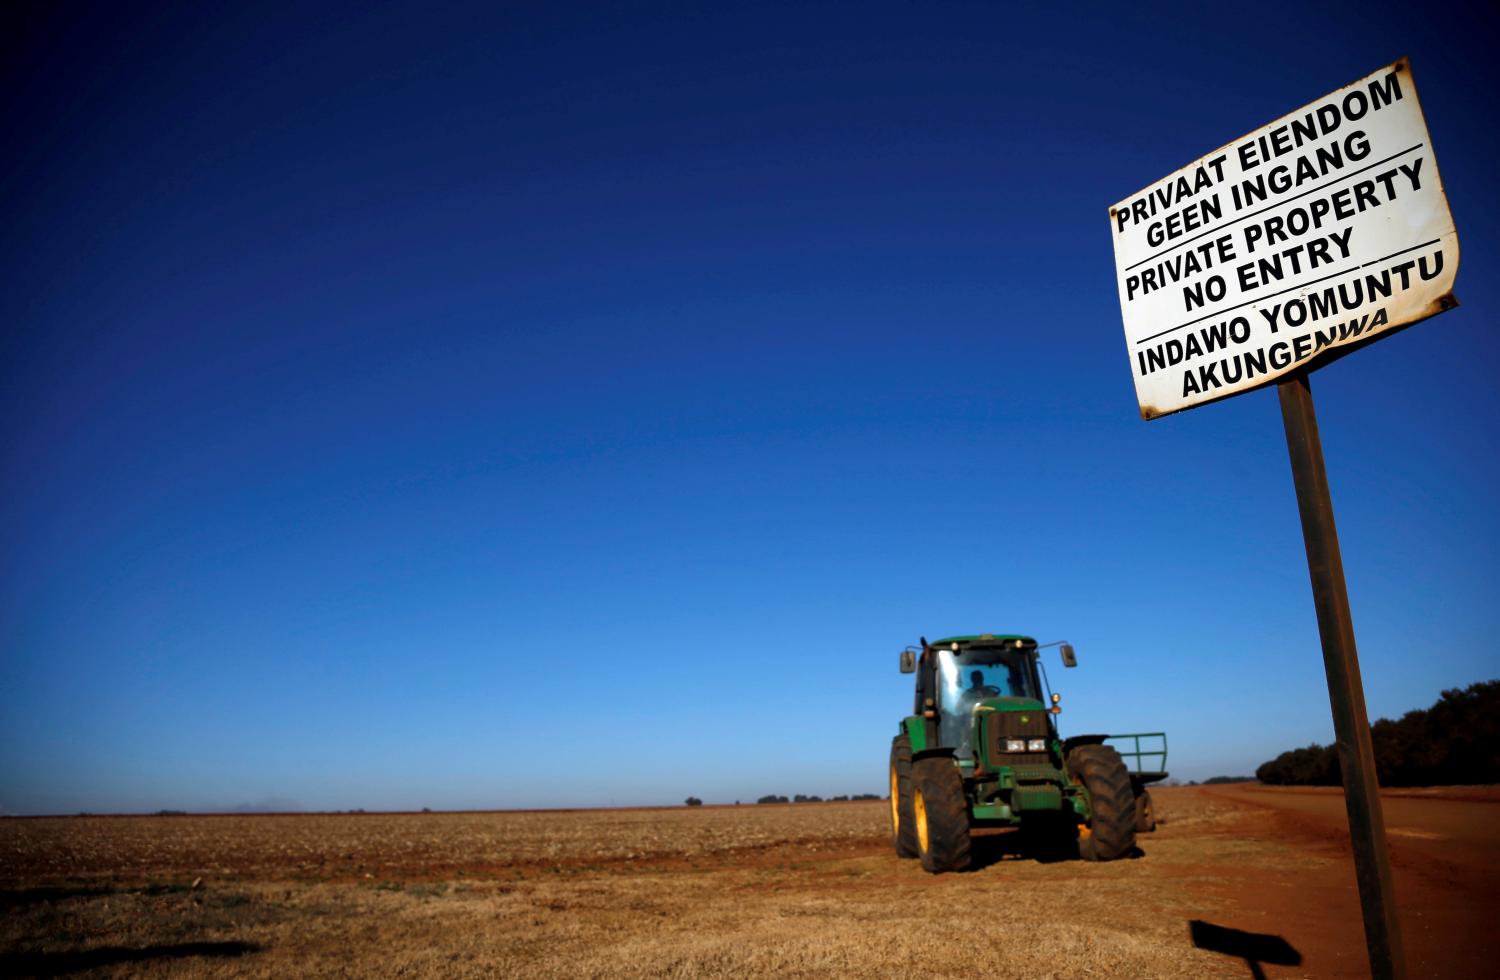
(566, 405)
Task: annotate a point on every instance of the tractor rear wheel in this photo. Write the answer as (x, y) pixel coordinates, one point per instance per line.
(1145, 813)
(1111, 830)
(942, 815)
(903, 820)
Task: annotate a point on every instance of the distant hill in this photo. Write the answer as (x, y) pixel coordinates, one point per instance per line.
(1456, 742)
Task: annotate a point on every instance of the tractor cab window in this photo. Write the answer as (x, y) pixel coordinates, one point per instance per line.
(967, 677)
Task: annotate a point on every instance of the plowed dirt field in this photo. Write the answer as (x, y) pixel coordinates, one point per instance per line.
(792, 890)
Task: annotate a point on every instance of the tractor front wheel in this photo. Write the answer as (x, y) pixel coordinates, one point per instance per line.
(1111, 830)
(942, 815)
(903, 820)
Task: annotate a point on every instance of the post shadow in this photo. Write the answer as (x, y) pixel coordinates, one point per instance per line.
(1254, 948)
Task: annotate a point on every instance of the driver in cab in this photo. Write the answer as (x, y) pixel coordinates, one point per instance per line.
(978, 690)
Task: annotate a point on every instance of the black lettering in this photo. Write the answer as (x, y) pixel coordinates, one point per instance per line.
(1385, 91)
(1255, 190)
(1271, 315)
(1248, 160)
(1328, 117)
(1254, 359)
(1342, 209)
(1411, 173)
(1215, 335)
(1356, 146)
(1239, 371)
(1321, 304)
(1295, 312)
(1355, 106)
(1330, 157)
(1155, 359)
(1269, 268)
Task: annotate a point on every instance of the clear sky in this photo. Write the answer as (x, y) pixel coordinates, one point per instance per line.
(413, 405)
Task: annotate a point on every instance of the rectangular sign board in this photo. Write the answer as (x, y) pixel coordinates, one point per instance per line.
(1289, 246)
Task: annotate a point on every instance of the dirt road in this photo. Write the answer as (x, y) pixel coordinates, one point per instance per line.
(1445, 856)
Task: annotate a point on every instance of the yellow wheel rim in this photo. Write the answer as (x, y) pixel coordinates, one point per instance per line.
(920, 806)
(895, 802)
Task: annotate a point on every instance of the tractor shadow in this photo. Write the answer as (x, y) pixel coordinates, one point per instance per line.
(1254, 948)
(52, 964)
(988, 847)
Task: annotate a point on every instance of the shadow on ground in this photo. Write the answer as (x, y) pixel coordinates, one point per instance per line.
(1254, 948)
(72, 961)
(16, 897)
(19, 897)
(992, 847)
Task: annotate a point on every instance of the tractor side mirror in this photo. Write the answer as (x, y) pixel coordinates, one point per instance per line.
(1069, 658)
(908, 662)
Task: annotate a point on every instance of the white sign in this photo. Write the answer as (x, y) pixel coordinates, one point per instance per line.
(1285, 248)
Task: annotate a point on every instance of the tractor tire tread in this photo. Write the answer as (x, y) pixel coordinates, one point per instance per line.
(1111, 802)
(948, 845)
(1145, 813)
(903, 818)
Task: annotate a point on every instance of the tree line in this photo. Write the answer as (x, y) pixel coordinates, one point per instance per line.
(799, 798)
(1456, 742)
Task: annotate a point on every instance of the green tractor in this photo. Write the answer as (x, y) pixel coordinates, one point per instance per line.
(982, 750)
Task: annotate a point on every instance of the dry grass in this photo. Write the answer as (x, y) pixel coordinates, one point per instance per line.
(800, 890)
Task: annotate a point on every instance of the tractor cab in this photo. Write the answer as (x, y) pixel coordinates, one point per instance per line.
(967, 675)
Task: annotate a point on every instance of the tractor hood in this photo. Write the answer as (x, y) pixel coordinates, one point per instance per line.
(1010, 704)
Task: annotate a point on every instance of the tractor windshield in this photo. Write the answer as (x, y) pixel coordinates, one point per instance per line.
(969, 676)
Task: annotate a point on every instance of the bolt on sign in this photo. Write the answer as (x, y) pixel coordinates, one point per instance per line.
(1285, 248)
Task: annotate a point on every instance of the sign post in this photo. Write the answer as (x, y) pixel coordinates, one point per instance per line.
(1346, 693)
(1257, 264)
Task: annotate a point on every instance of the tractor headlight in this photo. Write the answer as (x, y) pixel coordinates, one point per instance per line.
(1037, 745)
(1015, 745)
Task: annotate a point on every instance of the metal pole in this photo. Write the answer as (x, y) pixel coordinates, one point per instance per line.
(1351, 725)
